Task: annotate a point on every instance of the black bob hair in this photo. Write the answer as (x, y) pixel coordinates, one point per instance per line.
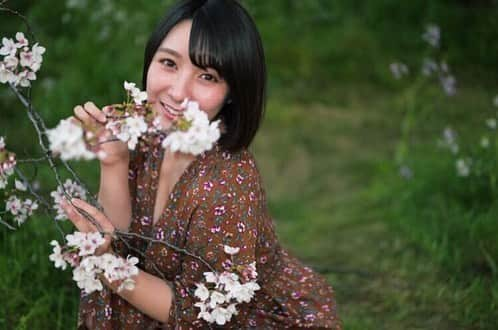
(225, 38)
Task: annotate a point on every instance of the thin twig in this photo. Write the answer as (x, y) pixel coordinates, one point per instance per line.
(128, 245)
(42, 200)
(31, 160)
(7, 225)
(22, 17)
(174, 247)
(40, 127)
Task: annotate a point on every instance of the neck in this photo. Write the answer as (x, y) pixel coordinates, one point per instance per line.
(174, 162)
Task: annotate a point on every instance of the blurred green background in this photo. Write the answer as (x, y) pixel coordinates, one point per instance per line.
(357, 182)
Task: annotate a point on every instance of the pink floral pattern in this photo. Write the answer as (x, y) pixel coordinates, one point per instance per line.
(218, 201)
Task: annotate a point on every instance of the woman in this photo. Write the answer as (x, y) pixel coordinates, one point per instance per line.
(208, 51)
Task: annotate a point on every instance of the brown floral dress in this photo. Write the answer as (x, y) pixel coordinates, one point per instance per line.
(217, 201)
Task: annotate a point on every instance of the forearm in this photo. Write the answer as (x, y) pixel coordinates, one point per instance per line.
(114, 194)
(151, 295)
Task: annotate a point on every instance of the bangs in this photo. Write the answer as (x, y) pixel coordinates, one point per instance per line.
(205, 45)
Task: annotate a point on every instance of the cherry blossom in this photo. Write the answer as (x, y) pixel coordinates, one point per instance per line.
(20, 185)
(20, 209)
(432, 35)
(5, 74)
(21, 40)
(231, 250)
(398, 69)
(449, 140)
(491, 123)
(201, 292)
(87, 267)
(57, 256)
(8, 47)
(70, 188)
(222, 292)
(138, 96)
(129, 130)
(7, 163)
(67, 140)
(195, 134)
(463, 167)
(19, 67)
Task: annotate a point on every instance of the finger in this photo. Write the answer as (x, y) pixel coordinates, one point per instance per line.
(77, 219)
(108, 109)
(82, 115)
(95, 112)
(94, 213)
(74, 120)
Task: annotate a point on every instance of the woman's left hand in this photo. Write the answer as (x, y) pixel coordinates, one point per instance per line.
(84, 225)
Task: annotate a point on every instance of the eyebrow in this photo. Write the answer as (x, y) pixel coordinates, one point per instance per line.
(169, 51)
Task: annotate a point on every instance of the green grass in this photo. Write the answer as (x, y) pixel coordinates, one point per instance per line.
(35, 295)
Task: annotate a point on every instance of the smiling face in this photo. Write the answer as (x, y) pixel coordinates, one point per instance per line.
(172, 77)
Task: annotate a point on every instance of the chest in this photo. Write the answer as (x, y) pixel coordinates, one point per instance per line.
(164, 189)
(170, 173)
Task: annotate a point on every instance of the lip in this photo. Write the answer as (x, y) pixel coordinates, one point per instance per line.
(170, 112)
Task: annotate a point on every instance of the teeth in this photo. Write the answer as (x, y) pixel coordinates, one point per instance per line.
(174, 111)
(170, 110)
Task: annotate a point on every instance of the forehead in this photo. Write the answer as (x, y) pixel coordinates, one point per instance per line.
(178, 38)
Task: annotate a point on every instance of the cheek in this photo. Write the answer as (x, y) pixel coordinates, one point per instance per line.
(211, 101)
(154, 82)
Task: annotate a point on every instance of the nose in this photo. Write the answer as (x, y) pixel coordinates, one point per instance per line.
(178, 89)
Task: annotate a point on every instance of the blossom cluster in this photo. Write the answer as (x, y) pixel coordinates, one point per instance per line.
(466, 165)
(134, 92)
(68, 188)
(87, 267)
(442, 71)
(7, 163)
(221, 292)
(430, 67)
(432, 35)
(398, 70)
(194, 134)
(129, 130)
(131, 121)
(20, 62)
(449, 140)
(20, 209)
(67, 140)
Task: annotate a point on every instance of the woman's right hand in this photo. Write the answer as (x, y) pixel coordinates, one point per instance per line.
(114, 152)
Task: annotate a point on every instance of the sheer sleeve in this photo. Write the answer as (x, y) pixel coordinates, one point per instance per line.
(225, 215)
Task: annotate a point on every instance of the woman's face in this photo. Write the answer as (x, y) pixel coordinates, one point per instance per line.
(172, 77)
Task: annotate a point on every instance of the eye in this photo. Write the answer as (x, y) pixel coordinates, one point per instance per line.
(168, 63)
(209, 77)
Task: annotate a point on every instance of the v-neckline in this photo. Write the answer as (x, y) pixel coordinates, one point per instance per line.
(155, 184)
